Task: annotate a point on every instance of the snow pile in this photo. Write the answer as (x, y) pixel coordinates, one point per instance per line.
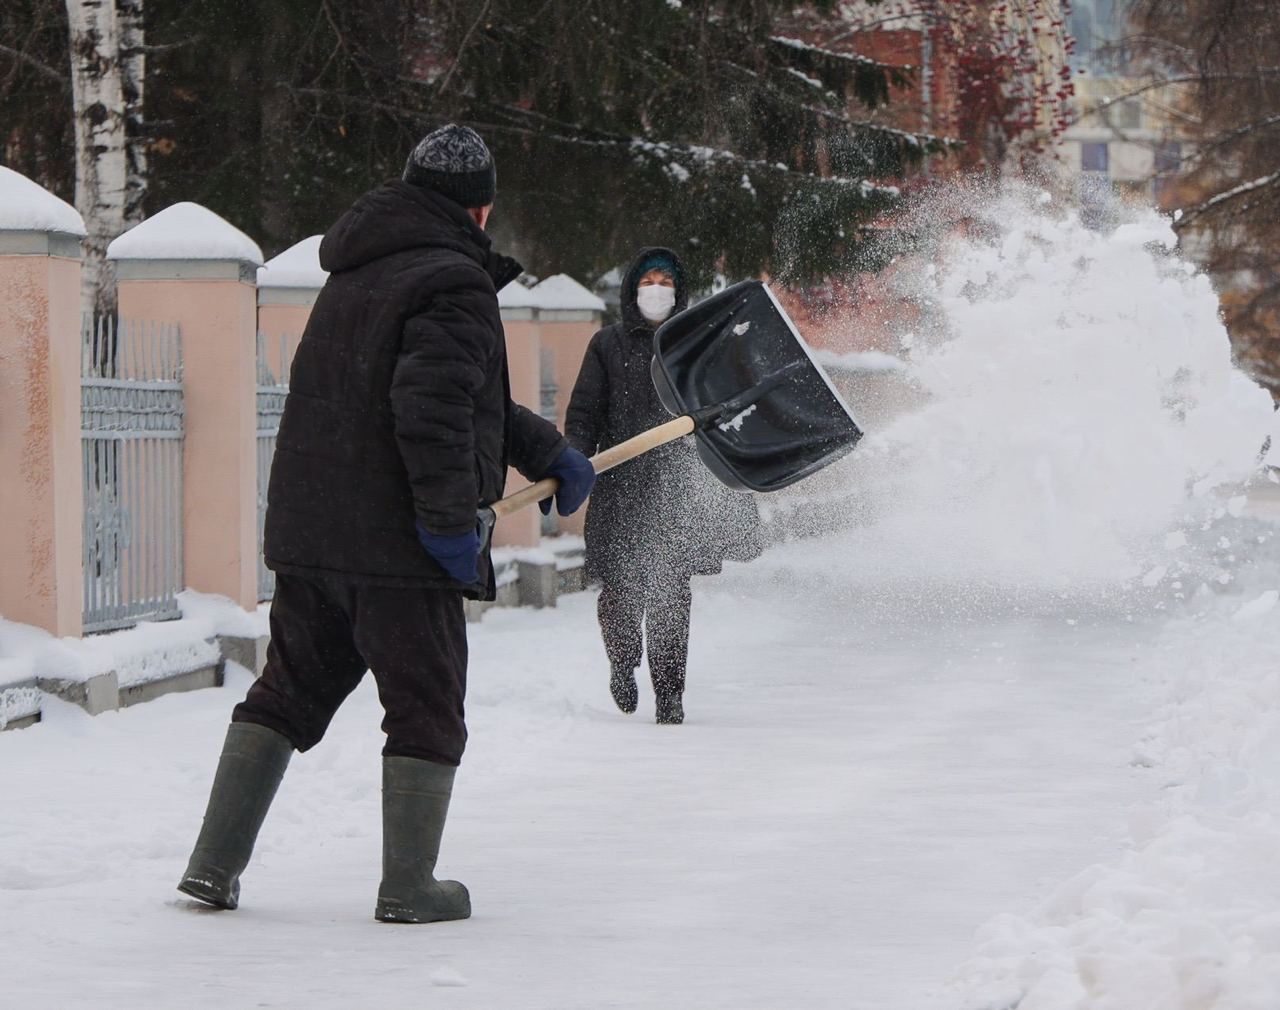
(18, 695)
(185, 231)
(28, 206)
(503, 556)
(296, 267)
(152, 650)
(18, 702)
(1189, 916)
(1079, 403)
(1082, 445)
(158, 650)
(217, 615)
(19, 644)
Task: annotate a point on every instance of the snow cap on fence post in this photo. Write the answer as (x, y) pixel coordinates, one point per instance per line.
(33, 221)
(41, 487)
(562, 299)
(294, 277)
(568, 315)
(518, 303)
(185, 241)
(288, 285)
(190, 266)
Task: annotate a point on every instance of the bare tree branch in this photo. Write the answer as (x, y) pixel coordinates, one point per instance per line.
(63, 80)
(1162, 82)
(462, 48)
(1222, 199)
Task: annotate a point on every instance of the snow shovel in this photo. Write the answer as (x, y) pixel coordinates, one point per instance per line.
(742, 381)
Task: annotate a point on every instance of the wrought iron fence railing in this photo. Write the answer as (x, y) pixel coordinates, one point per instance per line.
(131, 410)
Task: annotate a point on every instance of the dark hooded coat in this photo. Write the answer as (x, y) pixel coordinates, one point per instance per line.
(399, 405)
(661, 516)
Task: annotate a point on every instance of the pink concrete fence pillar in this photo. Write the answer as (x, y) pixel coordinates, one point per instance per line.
(287, 288)
(41, 472)
(524, 363)
(189, 266)
(568, 317)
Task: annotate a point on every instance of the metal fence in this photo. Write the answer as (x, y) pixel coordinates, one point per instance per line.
(131, 420)
(548, 390)
(273, 386)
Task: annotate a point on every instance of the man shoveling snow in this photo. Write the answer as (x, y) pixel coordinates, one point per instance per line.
(398, 425)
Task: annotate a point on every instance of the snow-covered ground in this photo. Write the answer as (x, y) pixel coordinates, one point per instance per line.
(1187, 915)
(849, 801)
(1004, 734)
(844, 806)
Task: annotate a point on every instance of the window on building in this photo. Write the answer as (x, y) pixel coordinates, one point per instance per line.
(1127, 115)
(1097, 25)
(1168, 163)
(1094, 157)
(1081, 28)
(1168, 157)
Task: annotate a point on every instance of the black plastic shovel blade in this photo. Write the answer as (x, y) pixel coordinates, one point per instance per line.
(741, 341)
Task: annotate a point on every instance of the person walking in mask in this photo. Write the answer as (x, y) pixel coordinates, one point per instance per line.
(658, 520)
(398, 425)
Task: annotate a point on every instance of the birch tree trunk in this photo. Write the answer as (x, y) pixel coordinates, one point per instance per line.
(101, 163)
(133, 76)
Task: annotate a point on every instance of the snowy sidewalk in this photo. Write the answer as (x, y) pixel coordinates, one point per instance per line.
(844, 807)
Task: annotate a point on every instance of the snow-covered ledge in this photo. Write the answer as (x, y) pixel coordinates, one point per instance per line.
(561, 299)
(34, 222)
(294, 277)
(185, 242)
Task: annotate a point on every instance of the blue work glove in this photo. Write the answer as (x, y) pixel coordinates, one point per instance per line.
(459, 554)
(576, 476)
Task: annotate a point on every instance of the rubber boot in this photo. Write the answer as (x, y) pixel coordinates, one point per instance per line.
(622, 685)
(415, 802)
(253, 762)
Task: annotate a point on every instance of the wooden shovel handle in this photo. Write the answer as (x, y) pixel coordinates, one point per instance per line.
(601, 462)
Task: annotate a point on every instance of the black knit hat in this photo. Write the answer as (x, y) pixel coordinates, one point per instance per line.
(454, 161)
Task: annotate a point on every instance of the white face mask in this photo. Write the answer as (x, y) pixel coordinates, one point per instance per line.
(655, 301)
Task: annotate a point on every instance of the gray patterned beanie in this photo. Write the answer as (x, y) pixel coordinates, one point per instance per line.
(454, 161)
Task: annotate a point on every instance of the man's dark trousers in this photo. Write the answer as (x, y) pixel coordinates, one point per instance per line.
(327, 631)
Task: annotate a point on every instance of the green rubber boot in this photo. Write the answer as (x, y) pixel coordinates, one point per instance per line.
(415, 802)
(253, 762)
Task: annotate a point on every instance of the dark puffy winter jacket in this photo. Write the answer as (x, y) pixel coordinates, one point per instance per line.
(399, 404)
(661, 516)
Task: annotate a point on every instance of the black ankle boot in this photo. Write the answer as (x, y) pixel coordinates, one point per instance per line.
(622, 685)
(253, 762)
(670, 710)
